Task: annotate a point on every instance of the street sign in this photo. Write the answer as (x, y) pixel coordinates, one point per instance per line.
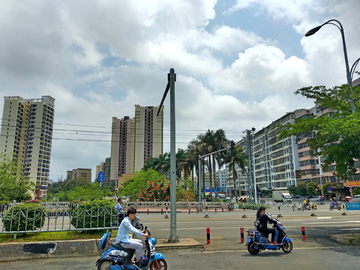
(329, 189)
(316, 189)
(101, 176)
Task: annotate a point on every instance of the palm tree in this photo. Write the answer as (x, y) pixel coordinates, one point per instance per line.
(240, 159)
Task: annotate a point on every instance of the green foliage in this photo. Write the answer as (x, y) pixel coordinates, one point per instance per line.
(134, 186)
(183, 196)
(13, 186)
(156, 190)
(301, 187)
(24, 217)
(81, 192)
(310, 188)
(325, 186)
(356, 190)
(293, 190)
(94, 214)
(334, 136)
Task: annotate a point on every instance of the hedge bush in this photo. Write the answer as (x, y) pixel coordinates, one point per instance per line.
(24, 217)
(94, 214)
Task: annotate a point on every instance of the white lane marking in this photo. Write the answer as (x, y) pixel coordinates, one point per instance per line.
(324, 218)
(351, 229)
(357, 221)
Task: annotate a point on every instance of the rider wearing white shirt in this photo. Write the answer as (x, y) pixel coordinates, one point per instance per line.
(123, 237)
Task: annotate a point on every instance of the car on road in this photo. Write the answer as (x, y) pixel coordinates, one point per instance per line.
(356, 198)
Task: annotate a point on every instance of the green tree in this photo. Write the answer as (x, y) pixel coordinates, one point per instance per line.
(356, 190)
(310, 188)
(325, 187)
(335, 136)
(134, 186)
(301, 187)
(13, 186)
(293, 190)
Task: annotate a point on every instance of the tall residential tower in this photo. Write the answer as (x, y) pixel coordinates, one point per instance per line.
(135, 140)
(26, 135)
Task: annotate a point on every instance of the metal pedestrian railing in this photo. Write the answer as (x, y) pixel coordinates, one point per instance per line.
(34, 218)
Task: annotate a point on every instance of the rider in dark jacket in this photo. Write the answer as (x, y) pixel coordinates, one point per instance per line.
(263, 220)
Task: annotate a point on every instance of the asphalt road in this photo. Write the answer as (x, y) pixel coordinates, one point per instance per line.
(225, 251)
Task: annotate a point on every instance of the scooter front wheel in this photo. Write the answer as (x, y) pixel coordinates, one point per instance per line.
(251, 248)
(158, 265)
(104, 265)
(287, 247)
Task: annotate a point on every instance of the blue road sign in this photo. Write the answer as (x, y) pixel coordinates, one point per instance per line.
(101, 176)
(329, 188)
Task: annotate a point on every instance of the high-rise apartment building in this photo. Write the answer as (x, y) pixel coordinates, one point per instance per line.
(274, 161)
(26, 136)
(135, 140)
(107, 171)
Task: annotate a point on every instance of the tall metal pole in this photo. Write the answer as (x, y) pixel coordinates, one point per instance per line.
(173, 236)
(348, 75)
(199, 179)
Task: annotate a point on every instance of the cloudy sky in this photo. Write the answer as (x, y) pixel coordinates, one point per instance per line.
(238, 63)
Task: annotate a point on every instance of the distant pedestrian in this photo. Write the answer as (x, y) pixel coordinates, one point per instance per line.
(121, 213)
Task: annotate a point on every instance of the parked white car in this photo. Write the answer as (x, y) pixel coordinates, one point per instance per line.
(356, 198)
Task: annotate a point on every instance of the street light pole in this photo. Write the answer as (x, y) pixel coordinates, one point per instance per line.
(348, 75)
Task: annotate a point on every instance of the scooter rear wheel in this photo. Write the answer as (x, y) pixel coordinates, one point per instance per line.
(287, 247)
(158, 265)
(251, 248)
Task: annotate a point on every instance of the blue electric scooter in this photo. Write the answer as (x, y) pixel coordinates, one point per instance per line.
(257, 241)
(115, 257)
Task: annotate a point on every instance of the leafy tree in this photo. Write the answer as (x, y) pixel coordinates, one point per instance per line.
(310, 188)
(156, 190)
(293, 190)
(325, 187)
(334, 136)
(134, 186)
(301, 187)
(13, 186)
(356, 190)
(86, 192)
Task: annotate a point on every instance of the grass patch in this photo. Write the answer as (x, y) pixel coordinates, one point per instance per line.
(51, 236)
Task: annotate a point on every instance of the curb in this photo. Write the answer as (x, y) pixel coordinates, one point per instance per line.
(74, 248)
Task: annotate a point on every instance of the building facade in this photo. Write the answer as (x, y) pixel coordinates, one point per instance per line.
(100, 168)
(26, 135)
(135, 140)
(78, 173)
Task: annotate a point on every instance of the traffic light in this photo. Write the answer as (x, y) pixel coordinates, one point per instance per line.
(232, 146)
(222, 152)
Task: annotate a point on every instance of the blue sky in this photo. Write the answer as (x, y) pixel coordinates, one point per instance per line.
(238, 63)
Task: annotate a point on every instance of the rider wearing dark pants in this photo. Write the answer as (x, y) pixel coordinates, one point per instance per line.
(263, 220)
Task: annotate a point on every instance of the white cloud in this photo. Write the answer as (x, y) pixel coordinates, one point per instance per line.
(99, 59)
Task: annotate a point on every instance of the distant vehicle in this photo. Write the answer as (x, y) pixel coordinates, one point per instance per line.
(318, 198)
(279, 196)
(221, 196)
(356, 198)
